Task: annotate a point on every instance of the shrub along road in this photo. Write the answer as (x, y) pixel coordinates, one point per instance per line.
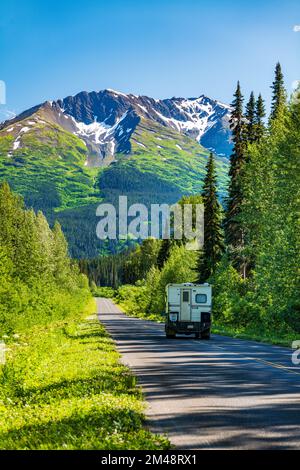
(224, 393)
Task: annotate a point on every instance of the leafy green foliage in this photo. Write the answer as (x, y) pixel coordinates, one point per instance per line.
(260, 113)
(69, 391)
(49, 170)
(233, 232)
(140, 260)
(267, 303)
(262, 302)
(106, 292)
(146, 299)
(164, 252)
(250, 117)
(213, 234)
(162, 167)
(133, 264)
(62, 386)
(38, 280)
(279, 94)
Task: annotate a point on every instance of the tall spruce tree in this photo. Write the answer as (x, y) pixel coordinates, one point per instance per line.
(260, 113)
(164, 252)
(250, 117)
(255, 113)
(11, 216)
(233, 231)
(61, 269)
(213, 234)
(279, 94)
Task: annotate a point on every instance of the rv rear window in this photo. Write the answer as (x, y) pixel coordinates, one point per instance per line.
(201, 298)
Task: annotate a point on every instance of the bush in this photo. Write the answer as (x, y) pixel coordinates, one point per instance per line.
(146, 299)
(106, 292)
(227, 290)
(39, 283)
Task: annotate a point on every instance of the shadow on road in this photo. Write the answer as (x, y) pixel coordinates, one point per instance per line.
(223, 393)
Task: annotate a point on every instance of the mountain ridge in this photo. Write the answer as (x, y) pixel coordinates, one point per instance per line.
(105, 120)
(66, 165)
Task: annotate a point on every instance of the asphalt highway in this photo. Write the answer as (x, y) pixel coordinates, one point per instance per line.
(219, 394)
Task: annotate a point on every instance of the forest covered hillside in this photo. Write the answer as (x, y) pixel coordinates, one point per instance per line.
(52, 163)
(251, 250)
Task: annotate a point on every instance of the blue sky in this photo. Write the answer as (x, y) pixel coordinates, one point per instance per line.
(50, 49)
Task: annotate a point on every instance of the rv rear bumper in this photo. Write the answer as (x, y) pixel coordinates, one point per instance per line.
(187, 327)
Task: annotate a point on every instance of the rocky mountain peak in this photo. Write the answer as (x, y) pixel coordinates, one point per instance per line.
(105, 120)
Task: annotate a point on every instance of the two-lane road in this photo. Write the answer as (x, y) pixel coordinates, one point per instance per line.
(219, 394)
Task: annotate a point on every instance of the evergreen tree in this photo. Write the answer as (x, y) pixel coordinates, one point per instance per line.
(11, 215)
(60, 256)
(37, 280)
(26, 259)
(255, 112)
(279, 94)
(260, 113)
(164, 252)
(270, 214)
(45, 235)
(250, 117)
(233, 231)
(213, 235)
(140, 260)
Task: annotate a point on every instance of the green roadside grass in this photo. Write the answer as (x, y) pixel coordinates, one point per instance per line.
(132, 312)
(63, 387)
(249, 334)
(127, 307)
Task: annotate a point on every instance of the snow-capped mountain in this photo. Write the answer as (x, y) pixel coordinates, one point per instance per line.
(65, 156)
(106, 120)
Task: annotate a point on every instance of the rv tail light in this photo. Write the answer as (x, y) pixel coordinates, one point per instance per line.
(205, 317)
(173, 316)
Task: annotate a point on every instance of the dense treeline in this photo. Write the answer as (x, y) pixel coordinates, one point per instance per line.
(39, 282)
(105, 270)
(251, 250)
(123, 268)
(61, 382)
(132, 264)
(257, 282)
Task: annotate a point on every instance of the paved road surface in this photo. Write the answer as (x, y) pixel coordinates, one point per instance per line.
(222, 394)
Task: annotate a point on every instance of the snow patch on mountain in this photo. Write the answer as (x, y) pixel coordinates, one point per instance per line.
(101, 133)
(115, 92)
(25, 129)
(17, 141)
(16, 144)
(106, 121)
(96, 131)
(195, 115)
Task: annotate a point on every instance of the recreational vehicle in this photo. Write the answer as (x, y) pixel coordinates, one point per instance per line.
(188, 310)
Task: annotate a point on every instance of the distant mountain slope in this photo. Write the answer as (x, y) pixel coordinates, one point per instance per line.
(108, 118)
(175, 161)
(105, 120)
(64, 158)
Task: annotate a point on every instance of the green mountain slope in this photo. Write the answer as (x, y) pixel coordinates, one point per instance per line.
(47, 165)
(161, 162)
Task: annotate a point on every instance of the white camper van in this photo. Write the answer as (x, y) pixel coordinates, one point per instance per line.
(188, 310)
